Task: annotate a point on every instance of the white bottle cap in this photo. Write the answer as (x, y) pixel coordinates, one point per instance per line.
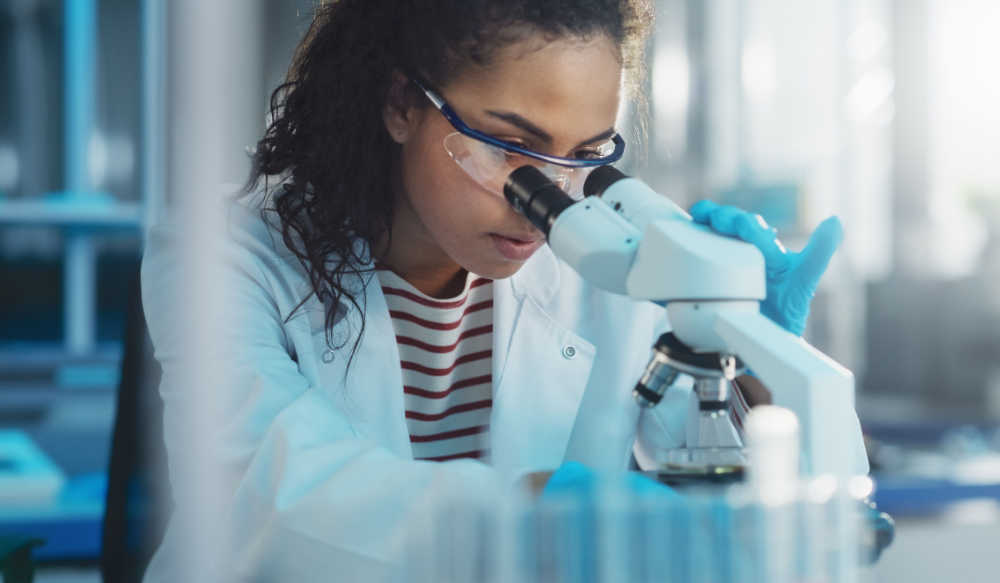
(773, 441)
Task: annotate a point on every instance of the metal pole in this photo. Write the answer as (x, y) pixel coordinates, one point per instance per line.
(213, 63)
(911, 168)
(31, 90)
(79, 280)
(154, 110)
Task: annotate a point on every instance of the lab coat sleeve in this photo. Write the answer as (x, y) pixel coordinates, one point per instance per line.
(305, 496)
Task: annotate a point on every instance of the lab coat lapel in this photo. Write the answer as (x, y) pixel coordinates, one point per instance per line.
(374, 392)
(540, 369)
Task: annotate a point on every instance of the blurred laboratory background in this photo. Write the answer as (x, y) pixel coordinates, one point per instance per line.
(883, 112)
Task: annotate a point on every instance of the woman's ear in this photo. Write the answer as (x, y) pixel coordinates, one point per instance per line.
(401, 113)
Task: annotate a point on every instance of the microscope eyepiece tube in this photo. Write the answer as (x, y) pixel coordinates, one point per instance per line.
(536, 197)
(600, 179)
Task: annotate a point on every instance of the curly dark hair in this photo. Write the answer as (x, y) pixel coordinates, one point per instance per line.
(326, 138)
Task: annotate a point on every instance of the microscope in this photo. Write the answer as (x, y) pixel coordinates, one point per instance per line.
(628, 239)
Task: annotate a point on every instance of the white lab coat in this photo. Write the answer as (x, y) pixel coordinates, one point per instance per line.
(324, 480)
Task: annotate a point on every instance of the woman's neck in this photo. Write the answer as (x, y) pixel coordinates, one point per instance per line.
(413, 255)
(436, 280)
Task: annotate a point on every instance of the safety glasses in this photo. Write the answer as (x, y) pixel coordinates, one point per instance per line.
(489, 160)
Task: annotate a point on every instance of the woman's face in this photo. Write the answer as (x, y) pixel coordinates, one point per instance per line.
(550, 98)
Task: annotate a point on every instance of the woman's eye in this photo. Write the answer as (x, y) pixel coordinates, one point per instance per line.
(514, 156)
(515, 144)
(588, 154)
(596, 151)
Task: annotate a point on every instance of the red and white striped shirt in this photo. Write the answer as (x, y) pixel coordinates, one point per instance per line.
(446, 354)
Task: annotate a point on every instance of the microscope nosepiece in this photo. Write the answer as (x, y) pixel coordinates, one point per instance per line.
(654, 383)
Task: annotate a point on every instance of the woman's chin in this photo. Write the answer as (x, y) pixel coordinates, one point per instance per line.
(495, 270)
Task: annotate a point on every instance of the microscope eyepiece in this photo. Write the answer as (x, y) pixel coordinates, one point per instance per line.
(600, 179)
(536, 197)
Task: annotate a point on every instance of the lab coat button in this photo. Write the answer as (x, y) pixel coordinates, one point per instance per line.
(327, 356)
(569, 352)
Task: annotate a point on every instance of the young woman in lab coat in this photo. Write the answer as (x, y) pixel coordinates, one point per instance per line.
(373, 226)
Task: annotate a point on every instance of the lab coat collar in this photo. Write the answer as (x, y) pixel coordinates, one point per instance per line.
(538, 277)
(540, 370)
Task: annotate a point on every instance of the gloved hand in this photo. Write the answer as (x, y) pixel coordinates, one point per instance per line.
(564, 535)
(576, 478)
(791, 277)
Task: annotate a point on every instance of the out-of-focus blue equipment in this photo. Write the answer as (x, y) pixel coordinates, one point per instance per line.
(776, 527)
(28, 478)
(16, 565)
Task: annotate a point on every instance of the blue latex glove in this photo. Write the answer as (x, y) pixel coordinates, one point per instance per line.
(791, 277)
(577, 478)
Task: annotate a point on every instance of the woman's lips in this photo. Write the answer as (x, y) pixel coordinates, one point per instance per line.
(515, 249)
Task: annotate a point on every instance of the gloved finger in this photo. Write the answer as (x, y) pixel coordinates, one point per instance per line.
(641, 484)
(701, 210)
(752, 228)
(725, 220)
(732, 221)
(814, 259)
(571, 476)
(777, 315)
(795, 308)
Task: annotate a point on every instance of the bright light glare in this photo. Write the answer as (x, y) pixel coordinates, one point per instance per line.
(861, 487)
(821, 489)
(965, 127)
(867, 41)
(760, 76)
(966, 93)
(871, 94)
(111, 158)
(671, 82)
(10, 168)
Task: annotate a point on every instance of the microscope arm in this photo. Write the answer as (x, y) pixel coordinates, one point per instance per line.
(815, 387)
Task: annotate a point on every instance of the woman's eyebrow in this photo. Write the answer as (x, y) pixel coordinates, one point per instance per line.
(516, 120)
(519, 121)
(601, 136)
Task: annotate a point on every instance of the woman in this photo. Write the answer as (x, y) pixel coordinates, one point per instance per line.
(402, 333)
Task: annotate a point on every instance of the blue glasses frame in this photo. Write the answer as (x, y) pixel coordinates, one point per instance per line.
(456, 122)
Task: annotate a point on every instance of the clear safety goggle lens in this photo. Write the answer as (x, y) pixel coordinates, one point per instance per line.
(490, 166)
